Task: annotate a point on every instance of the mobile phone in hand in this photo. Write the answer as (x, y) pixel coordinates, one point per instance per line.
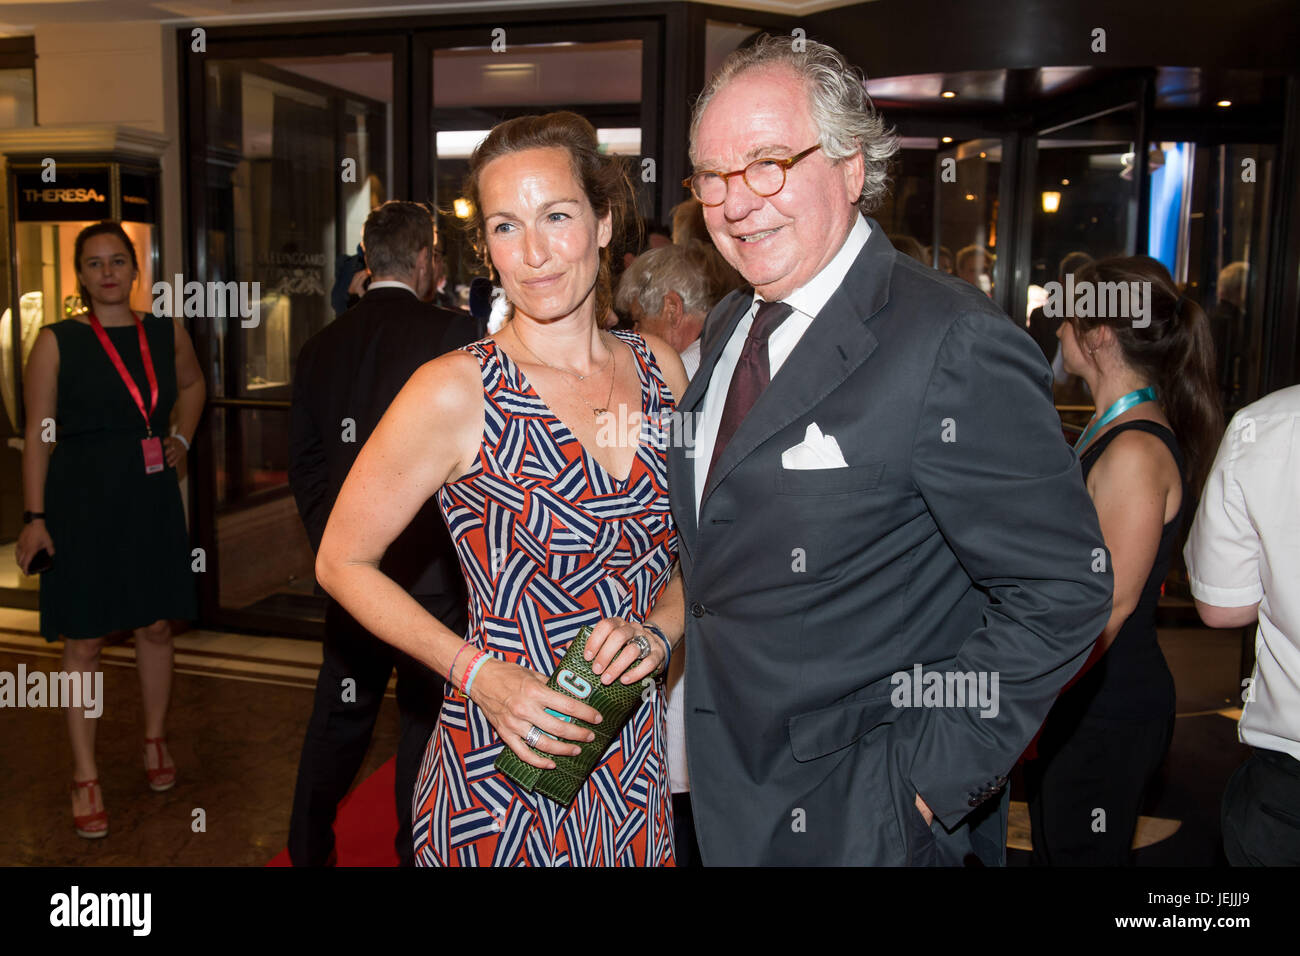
(42, 560)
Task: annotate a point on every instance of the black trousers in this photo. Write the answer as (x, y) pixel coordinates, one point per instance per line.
(1261, 811)
(687, 850)
(343, 720)
(1086, 788)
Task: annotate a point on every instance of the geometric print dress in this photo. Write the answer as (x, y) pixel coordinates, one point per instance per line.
(549, 542)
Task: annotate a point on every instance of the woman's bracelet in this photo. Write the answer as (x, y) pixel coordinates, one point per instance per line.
(464, 681)
(475, 666)
(452, 670)
(181, 438)
(668, 647)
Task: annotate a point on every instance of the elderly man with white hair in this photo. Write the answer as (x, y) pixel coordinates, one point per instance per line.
(876, 500)
(665, 292)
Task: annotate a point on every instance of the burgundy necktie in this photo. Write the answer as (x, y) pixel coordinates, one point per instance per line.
(751, 375)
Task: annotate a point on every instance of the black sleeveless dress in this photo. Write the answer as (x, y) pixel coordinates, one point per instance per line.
(1131, 681)
(121, 549)
(1107, 735)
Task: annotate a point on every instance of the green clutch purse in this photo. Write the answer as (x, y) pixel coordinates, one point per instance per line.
(616, 702)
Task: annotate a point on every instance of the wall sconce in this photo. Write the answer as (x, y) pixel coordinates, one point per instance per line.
(1051, 201)
(461, 208)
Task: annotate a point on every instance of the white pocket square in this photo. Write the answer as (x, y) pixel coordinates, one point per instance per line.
(814, 452)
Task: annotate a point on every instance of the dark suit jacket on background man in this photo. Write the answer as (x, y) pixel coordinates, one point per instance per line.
(959, 537)
(353, 369)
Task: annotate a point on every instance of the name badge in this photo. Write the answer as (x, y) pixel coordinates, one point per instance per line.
(153, 454)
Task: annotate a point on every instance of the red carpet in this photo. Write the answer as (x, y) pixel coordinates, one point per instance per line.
(366, 824)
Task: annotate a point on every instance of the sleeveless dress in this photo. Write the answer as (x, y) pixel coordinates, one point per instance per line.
(1108, 734)
(121, 548)
(550, 542)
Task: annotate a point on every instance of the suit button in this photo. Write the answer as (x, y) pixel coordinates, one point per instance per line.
(697, 609)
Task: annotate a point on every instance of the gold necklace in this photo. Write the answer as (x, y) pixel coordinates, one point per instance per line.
(613, 359)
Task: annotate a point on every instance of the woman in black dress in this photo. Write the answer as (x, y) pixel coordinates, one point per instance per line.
(1144, 455)
(102, 495)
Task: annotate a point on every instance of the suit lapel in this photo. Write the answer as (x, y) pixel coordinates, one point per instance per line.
(837, 342)
(713, 340)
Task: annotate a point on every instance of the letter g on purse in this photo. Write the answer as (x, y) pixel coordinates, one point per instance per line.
(616, 703)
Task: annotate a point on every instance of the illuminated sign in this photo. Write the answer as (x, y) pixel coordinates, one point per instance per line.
(74, 195)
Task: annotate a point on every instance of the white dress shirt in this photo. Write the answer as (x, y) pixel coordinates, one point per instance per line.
(679, 779)
(806, 302)
(1244, 547)
(391, 284)
(691, 359)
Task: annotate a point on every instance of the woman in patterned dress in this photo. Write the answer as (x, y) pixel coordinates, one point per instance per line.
(545, 447)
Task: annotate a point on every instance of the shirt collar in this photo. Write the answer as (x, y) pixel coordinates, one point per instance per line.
(810, 297)
(391, 284)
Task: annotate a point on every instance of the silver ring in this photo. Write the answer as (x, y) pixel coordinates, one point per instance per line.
(534, 734)
(641, 642)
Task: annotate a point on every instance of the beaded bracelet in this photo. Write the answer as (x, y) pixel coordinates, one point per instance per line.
(452, 670)
(667, 646)
(474, 668)
(465, 679)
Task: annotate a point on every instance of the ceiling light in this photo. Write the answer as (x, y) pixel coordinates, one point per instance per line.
(947, 94)
(1224, 103)
(1051, 201)
(947, 139)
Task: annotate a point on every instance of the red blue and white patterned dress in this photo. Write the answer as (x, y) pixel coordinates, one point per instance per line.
(550, 542)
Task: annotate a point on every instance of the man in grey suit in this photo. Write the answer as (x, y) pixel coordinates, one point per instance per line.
(890, 560)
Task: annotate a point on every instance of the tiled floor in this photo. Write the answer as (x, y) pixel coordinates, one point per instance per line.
(240, 706)
(239, 709)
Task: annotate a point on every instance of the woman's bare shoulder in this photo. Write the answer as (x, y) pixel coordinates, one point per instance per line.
(1137, 459)
(450, 383)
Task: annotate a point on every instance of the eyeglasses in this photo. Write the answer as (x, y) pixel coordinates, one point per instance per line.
(765, 177)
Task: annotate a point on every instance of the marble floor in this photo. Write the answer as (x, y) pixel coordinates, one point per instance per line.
(239, 710)
(240, 706)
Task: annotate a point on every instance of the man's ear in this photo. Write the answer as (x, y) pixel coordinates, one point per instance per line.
(674, 309)
(855, 174)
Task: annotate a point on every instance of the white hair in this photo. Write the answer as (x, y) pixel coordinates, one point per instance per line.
(838, 103)
(652, 275)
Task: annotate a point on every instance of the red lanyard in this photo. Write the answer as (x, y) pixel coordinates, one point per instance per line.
(126, 376)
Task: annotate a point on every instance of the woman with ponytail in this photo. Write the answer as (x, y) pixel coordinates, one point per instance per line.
(1153, 437)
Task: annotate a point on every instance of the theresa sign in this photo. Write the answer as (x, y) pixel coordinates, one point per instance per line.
(75, 196)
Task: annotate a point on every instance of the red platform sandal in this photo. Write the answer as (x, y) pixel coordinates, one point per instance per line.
(163, 777)
(91, 826)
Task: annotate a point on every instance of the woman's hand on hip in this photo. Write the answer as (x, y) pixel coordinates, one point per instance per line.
(613, 652)
(515, 700)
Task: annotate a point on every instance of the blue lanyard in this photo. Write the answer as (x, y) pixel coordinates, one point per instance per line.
(1147, 394)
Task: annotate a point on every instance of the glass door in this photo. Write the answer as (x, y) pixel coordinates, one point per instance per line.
(299, 149)
(603, 72)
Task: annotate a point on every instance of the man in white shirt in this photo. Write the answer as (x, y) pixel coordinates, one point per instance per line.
(1243, 564)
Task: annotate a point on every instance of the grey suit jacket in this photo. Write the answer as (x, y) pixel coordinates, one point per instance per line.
(960, 537)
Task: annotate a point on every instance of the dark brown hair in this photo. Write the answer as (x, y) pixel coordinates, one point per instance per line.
(604, 180)
(393, 236)
(1175, 351)
(106, 228)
